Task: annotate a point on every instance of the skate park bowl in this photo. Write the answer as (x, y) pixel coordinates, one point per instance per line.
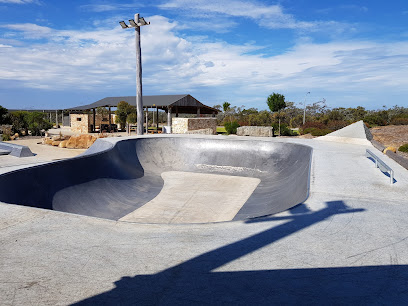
(168, 180)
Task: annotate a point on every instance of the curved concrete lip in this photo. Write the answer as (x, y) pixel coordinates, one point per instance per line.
(168, 180)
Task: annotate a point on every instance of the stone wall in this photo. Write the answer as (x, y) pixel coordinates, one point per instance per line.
(183, 125)
(80, 123)
(258, 131)
(202, 132)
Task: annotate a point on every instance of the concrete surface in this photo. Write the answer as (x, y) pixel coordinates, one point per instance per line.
(346, 244)
(46, 152)
(189, 197)
(14, 150)
(117, 176)
(356, 133)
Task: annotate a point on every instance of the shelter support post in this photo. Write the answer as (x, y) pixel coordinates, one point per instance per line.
(147, 120)
(169, 118)
(198, 112)
(176, 111)
(110, 120)
(94, 119)
(56, 119)
(157, 119)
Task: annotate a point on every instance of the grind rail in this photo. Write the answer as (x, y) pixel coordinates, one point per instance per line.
(381, 165)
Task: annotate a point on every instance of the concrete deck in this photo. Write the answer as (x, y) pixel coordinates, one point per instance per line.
(347, 243)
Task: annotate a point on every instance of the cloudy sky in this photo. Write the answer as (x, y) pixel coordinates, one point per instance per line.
(60, 54)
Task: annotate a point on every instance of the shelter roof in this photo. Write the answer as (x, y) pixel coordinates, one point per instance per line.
(181, 103)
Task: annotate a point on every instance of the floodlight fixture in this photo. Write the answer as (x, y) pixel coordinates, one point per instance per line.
(133, 23)
(123, 24)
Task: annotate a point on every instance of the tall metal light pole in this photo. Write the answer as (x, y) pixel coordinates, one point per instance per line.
(304, 109)
(137, 23)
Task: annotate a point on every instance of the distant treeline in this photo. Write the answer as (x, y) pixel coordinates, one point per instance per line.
(319, 119)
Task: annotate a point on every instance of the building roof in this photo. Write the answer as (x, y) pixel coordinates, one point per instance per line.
(178, 103)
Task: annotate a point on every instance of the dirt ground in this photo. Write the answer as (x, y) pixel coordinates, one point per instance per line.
(392, 136)
(46, 152)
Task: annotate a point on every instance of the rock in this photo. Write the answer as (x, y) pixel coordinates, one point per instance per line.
(392, 149)
(63, 144)
(263, 131)
(16, 135)
(208, 131)
(80, 142)
(12, 137)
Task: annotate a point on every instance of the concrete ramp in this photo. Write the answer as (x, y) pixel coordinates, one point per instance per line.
(356, 133)
(168, 180)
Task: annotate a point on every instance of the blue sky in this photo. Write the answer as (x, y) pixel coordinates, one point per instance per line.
(60, 54)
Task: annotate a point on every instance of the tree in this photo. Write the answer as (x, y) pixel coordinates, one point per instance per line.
(122, 112)
(276, 102)
(226, 106)
(4, 118)
(36, 123)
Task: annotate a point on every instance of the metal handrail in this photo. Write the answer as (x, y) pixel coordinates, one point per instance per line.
(381, 165)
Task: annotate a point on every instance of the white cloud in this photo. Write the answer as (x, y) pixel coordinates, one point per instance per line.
(109, 7)
(20, 1)
(268, 16)
(105, 58)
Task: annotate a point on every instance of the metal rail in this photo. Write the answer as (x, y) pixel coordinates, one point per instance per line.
(381, 165)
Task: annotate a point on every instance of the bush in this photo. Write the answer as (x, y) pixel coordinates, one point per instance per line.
(321, 132)
(336, 125)
(403, 148)
(5, 137)
(374, 120)
(400, 120)
(231, 127)
(316, 131)
(284, 130)
(314, 124)
(36, 123)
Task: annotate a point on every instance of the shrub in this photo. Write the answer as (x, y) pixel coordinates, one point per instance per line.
(403, 148)
(284, 130)
(399, 121)
(374, 120)
(336, 125)
(314, 124)
(316, 131)
(5, 137)
(231, 127)
(320, 132)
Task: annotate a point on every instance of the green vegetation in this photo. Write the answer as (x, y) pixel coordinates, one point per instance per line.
(403, 148)
(276, 102)
(320, 120)
(23, 122)
(231, 127)
(4, 116)
(125, 113)
(221, 129)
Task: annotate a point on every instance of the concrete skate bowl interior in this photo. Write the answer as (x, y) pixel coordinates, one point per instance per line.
(168, 180)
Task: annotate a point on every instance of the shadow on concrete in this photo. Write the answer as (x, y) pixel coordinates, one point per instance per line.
(193, 282)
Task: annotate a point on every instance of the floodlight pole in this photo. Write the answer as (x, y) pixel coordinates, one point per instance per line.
(137, 23)
(304, 109)
(139, 97)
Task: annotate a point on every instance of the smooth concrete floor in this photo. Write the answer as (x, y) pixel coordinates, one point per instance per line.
(189, 197)
(347, 244)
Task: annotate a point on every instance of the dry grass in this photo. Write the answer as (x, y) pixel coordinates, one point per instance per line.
(392, 136)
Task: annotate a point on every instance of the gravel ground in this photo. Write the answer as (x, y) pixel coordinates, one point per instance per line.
(392, 136)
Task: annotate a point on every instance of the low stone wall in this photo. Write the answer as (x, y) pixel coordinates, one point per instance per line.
(258, 131)
(185, 125)
(202, 132)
